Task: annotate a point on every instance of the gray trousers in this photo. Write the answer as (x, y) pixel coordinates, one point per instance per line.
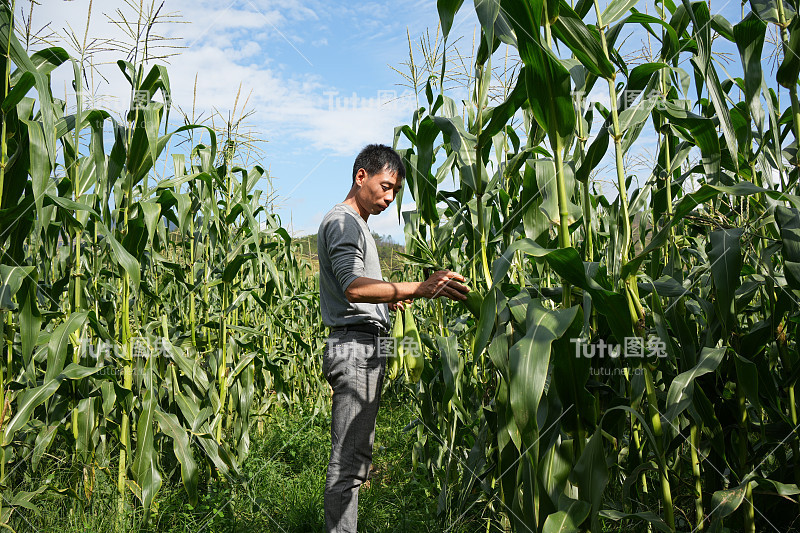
(352, 366)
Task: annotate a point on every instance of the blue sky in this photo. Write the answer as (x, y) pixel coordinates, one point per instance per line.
(300, 64)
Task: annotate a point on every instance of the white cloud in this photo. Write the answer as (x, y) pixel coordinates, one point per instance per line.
(249, 49)
(345, 131)
(225, 46)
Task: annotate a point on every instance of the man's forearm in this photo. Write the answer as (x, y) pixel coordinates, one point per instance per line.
(374, 291)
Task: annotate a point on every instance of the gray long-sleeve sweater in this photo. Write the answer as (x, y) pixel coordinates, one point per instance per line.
(346, 251)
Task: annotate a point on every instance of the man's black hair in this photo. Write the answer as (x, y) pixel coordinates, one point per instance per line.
(375, 158)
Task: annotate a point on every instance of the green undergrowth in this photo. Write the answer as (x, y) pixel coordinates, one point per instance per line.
(281, 489)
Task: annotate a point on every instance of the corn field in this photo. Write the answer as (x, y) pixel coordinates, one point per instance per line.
(147, 324)
(628, 358)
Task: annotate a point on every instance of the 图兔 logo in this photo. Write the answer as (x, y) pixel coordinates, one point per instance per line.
(390, 346)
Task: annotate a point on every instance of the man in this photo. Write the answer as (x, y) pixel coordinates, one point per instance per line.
(355, 304)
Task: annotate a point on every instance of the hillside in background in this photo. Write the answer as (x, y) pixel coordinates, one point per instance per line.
(387, 248)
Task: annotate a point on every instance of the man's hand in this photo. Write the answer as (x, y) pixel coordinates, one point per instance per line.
(443, 283)
(399, 306)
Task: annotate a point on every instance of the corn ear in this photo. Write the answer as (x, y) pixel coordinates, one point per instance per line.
(473, 302)
(395, 362)
(414, 361)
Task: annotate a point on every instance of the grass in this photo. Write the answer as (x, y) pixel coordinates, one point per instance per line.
(281, 491)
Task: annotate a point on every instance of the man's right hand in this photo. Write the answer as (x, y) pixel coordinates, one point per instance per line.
(443, 283)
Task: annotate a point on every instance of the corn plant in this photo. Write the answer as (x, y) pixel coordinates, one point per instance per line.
(520, 419)
(147, 319)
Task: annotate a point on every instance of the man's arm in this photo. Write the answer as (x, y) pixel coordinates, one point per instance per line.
(441, 283)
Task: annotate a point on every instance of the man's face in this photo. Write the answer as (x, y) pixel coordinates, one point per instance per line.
(377, 191)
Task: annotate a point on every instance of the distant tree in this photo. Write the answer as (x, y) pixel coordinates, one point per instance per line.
(306, 246)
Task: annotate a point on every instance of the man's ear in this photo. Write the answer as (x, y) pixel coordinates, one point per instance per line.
(361, 175)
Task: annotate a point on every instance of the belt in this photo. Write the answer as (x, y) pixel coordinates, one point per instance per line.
(372, 329)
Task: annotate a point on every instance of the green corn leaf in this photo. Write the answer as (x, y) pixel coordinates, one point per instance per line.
(651, 518)
(121, 256)
(725, 502)
(616, 9)
(554, 469)
(11, 278)
(681, 390)
(782, 489)
(547, 80)
(59, 340)
(670, 46)
(571, 30)
(549, 92)
(789, 69)
(188, 367)
(152, 214)
(171, 426)
(26, 405)
(487, 11)
(747, 377)
(448, 349)
(69, 205)
(145, 467)
(640, 76)
(85, 413)
(447, 12)
(594, 155)
(529, 359)
(158, 80)
(767, 10)
(43, 441)
(489, 311)
(704, 135)
(20, 58)
(30, 317)
(789, 224)
(77, 372)
(39, 166)
(424, 187)
(749, 35)
(20, 89)
(590, 474)
(44, 61)
(707, 73)
(241, 365)
(463, 145)
(571, 372)
(499, 116)
(569, 520)
(691, 201)
(217, 454)
(726, 264)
